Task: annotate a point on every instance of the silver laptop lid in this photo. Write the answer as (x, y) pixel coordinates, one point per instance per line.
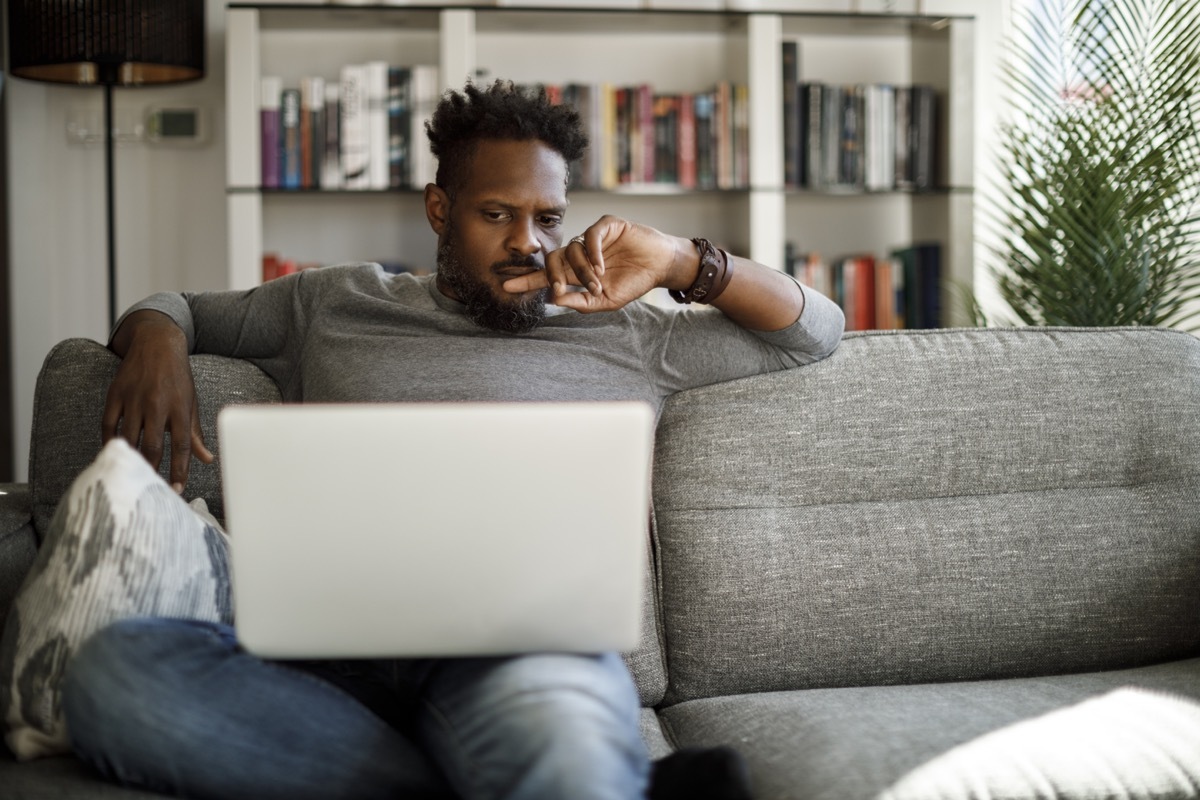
(436, 529)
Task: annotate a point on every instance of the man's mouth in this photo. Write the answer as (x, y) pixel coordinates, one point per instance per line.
(516, 271)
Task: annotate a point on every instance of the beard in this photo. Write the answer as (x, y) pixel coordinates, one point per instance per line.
(514, 314)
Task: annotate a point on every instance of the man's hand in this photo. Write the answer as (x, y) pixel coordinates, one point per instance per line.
(616, 263)
(619, 261)
(153, 393)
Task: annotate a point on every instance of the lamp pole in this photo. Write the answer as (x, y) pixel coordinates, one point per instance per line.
(110, 204)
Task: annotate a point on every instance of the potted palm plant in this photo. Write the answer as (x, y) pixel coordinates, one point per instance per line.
(1097, 222)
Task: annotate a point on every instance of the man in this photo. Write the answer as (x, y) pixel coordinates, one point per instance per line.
(512, 314)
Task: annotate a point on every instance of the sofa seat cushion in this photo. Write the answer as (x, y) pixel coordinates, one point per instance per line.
(59, 778)
(1121, 734)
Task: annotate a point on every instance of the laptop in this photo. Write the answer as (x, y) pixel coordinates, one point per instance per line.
(428, 530)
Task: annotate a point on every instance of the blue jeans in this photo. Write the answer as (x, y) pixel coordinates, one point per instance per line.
(178, 707)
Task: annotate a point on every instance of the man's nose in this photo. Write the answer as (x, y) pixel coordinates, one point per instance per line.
(523, 237)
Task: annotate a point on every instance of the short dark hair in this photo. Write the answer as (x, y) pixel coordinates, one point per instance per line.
(501, 111)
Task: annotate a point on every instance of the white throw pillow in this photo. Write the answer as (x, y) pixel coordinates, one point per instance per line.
(122, 544)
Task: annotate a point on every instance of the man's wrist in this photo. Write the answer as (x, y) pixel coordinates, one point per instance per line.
(685, 266)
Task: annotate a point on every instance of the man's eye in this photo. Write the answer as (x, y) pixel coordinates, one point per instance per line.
(551, 222)
(495, 216)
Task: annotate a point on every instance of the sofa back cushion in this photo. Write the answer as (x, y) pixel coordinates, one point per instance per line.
(69, 402)
(934, 506)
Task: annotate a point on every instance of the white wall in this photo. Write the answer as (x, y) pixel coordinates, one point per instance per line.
(170, 215)
(170, 203)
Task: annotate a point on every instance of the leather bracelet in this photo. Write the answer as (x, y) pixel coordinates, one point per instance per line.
(716, 269)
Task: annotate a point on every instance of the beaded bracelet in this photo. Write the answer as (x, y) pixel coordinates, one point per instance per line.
(716, 268)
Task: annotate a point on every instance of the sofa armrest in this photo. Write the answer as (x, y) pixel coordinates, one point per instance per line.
(18, 545)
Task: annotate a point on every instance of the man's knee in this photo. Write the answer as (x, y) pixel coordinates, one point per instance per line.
(122, 674)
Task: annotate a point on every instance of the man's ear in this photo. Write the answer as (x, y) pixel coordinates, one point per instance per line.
(437, 207)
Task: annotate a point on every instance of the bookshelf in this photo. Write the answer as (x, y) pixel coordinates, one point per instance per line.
(675, 50)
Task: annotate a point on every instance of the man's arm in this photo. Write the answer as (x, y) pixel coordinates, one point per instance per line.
(619, 261)
(153, 393)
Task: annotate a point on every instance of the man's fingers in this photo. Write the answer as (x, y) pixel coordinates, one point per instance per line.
(181, 452)
(111, 420)
(527, 283)
(199, 448)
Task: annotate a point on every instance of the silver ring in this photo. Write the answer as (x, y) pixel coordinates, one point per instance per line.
(579, 239)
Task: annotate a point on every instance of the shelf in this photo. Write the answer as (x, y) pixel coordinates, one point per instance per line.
(671, 50)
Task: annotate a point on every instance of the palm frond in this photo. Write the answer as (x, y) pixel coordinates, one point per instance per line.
(1100, 165)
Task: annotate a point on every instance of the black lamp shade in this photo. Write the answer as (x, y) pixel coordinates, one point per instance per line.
(115, 42)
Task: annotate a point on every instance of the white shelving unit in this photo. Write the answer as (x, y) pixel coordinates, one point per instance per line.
(675, 51)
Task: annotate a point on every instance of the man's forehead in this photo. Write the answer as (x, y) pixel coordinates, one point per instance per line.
(505, 166)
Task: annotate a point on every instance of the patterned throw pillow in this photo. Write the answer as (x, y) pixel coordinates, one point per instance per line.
(121, 544)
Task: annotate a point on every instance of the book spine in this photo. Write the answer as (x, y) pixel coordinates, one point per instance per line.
(312, 121)
(354, 131)
(425, 98)
(687, 141)
(791, 115)
(741, 136)
(306, 133)
(723, 138)
(831, 135)
(269, 131)
(610, 170)
(864, 286)
(377, 124)
(621, 121)
(331, 164)
(645, 98)
(399, 124)
(289, 124)
(924, 149)
(813, 132)
(902, 170)
(705, 107)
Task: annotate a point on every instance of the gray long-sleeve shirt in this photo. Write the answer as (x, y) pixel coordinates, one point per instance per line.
(355, 333)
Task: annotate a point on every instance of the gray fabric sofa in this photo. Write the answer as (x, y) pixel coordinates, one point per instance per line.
(939, 564)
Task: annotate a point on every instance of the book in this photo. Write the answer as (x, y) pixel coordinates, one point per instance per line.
(312, 131)
(610, 168)
(666, 138)
(921, 265)
(902, 170)
(399, 111)
(355, 145)
(269, 130)
(832, 101)
(704, 107)
(331, 163)
(741, 136)
(425, 93)
(377, 125)
(289, 126)
(922, 133)
(813, 104)
(687, 141)
(792, 156)
(723, 134)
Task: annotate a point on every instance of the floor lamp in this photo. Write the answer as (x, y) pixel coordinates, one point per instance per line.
(107, 43)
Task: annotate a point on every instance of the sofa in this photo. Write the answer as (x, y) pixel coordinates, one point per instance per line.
(938, 564)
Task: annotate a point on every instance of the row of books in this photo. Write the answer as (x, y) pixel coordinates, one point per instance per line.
(692, 140)
(362, 130)
(896, 291)
(365, 130)
(874, 137)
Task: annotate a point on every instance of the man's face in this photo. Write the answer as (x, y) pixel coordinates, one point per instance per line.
(503, 220)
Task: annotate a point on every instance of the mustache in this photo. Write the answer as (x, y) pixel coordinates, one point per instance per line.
(520, 261)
